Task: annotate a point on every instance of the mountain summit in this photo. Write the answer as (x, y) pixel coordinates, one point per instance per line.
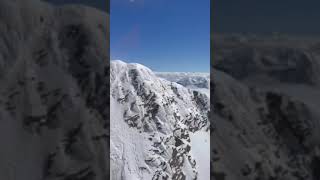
(157, 126)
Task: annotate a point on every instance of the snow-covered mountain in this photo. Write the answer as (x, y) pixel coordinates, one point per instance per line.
(54, 85)
(196, 81)
(265, 117)
(159, 129)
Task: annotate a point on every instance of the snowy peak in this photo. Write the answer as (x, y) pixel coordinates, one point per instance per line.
(164, 116)
(140, 83)
(120, 68)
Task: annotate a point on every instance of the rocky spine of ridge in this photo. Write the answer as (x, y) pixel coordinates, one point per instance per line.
(54, 103)
(163, 115)
(265, 118)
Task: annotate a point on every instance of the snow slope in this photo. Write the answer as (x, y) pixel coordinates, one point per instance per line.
(265, 118)
(153, 122)
(54, 104)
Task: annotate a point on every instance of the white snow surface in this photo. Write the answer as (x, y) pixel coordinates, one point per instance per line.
(200, 143)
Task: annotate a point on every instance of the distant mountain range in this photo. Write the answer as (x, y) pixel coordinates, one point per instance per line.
(196, 81)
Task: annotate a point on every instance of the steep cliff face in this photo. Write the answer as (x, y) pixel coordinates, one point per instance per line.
(265, 96)
(157, 126)
(54, 104)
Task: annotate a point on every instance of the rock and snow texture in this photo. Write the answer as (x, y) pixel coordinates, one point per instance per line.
(265, 117)
(159, 129)
(54, 103)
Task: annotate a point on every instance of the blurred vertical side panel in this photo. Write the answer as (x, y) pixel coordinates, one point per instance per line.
(54, 90)
(265, 90)
(211, 115)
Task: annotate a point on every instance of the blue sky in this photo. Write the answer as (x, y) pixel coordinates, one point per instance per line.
(265, 16)
(165, 35)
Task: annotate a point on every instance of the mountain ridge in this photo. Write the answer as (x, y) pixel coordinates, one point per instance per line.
(157, 111)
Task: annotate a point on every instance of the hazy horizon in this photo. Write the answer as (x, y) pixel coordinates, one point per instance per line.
(154, 70)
